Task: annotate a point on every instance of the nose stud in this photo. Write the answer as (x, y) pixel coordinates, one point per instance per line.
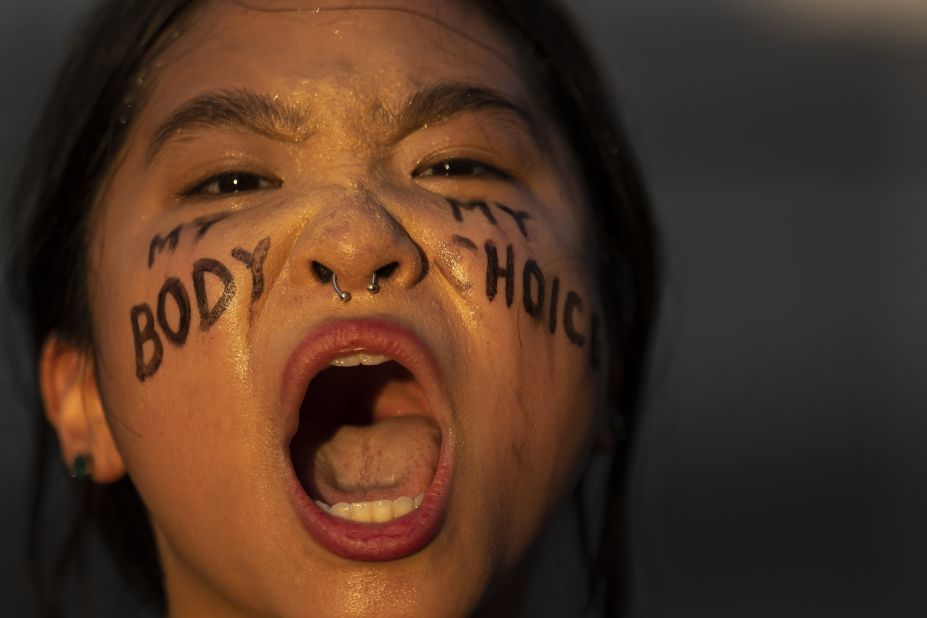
(373, 287)
(344, 296)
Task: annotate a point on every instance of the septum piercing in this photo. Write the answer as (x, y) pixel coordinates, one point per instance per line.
(373, 287)
(344, 296)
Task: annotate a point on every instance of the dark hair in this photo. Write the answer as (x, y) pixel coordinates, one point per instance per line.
(83, 129)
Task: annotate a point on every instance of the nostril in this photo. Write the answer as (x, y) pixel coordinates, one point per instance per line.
(385, 271)
(322, 272)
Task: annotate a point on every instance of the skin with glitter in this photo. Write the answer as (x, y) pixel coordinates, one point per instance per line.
(402, 137)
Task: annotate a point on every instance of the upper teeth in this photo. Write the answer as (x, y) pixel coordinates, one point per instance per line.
(359, 358)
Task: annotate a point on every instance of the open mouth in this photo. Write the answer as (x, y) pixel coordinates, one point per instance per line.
(369, 439)
(367, 446)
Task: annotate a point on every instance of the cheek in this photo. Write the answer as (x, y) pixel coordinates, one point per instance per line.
(171, 321)
(532, 264)
(530, 381)
(171, 316)
(533, 405)
(173, 291)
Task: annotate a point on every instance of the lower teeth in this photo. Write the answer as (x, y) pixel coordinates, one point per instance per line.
(377, 511)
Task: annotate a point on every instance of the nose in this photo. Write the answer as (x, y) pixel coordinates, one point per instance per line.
(352, 244)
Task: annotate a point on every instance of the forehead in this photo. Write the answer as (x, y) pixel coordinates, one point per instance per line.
(313, 54)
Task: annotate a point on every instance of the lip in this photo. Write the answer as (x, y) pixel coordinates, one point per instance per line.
(404, 535)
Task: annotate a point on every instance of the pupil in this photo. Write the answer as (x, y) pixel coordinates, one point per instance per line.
(232, 183)
(457, 168)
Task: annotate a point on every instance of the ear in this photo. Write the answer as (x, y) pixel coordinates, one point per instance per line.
(68, 385)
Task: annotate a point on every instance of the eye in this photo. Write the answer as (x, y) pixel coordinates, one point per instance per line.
(231, 182)
(466, 168)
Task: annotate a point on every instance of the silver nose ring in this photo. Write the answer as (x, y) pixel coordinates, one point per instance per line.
(373, 287)
(344, 296)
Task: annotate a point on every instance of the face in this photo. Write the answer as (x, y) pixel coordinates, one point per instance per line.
(397, 450)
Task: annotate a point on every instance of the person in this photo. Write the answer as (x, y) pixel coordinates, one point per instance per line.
(332, 305)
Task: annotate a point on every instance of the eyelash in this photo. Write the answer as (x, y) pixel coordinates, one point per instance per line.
(241, 182)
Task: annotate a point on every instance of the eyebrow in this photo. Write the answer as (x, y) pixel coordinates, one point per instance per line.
(442, 101)
(233, 109)
(264, 115)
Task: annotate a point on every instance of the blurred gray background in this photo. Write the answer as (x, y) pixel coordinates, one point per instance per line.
(781, 469)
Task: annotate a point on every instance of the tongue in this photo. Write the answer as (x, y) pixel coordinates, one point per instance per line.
(391, 458)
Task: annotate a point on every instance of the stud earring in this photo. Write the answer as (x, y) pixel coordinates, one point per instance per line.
(82, 467)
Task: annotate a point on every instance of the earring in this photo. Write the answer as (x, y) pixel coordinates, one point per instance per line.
(82, 467)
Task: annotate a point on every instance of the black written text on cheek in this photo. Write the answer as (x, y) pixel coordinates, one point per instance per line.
(148, 345)
(534, 295)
